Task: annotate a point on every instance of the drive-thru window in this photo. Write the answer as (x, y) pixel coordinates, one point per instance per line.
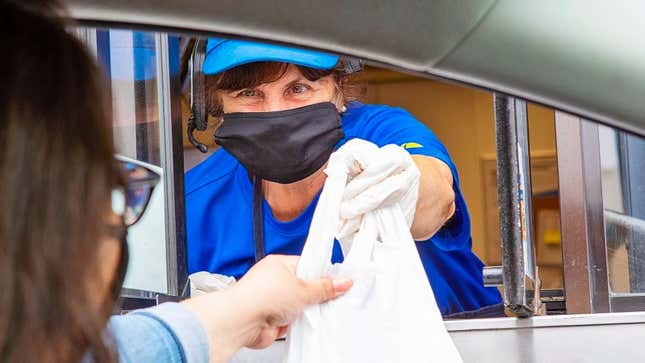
(557, 200)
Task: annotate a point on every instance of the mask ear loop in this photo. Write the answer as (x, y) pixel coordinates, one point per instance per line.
(351, 65)
(340, 98)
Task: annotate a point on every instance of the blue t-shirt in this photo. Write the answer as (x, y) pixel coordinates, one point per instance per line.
(219, 214)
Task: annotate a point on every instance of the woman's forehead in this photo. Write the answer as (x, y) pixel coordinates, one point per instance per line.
(275, 77)
(253, 75)
(291, 73)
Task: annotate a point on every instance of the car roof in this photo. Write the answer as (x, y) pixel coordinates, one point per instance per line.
(580, 56)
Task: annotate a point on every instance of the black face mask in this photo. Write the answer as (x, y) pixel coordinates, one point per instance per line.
(283, 146)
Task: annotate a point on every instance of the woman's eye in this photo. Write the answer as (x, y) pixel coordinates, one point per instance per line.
(248, 93)
(298, 89)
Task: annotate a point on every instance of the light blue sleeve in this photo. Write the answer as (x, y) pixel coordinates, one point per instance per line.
(166, 333)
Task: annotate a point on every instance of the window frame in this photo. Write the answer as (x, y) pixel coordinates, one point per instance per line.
(580, 198)
(96, 38)
(583, 220)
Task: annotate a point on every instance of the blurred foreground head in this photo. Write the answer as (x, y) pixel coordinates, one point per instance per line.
(56, 174)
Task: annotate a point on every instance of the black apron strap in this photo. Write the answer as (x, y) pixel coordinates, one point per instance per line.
(258, 220)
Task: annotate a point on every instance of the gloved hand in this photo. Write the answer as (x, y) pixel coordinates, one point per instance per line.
(377, 177)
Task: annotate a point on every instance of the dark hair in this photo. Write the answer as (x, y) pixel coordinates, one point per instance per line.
(56, 174)
(257, 73)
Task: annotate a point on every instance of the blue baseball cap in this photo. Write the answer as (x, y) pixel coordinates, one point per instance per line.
(224, 54)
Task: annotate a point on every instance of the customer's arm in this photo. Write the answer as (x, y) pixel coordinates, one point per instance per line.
(212, 327)
(168, 333)
(259, 308)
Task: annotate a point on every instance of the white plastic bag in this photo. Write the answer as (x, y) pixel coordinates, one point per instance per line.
(390, 314)
(203, 282)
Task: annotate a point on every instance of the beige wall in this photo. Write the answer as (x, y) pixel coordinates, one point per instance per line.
(462, 118)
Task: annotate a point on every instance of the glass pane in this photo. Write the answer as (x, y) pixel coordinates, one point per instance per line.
(130, 58)
(623, 187)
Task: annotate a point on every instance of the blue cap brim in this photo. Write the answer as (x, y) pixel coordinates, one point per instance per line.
(222, 55)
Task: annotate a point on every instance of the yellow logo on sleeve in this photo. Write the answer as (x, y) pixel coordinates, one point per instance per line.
(411, 145)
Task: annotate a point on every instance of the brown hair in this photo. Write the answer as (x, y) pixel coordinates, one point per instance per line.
(56, 174)
(257, 73)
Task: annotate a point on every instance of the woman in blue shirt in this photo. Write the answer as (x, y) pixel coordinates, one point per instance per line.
(63, 250)
(284, 110)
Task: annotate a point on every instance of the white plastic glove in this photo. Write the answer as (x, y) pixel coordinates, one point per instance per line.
(377, 177)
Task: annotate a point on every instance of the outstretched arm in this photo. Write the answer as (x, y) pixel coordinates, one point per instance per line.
(436, 203)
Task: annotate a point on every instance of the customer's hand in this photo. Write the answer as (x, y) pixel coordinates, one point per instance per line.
(259, 308)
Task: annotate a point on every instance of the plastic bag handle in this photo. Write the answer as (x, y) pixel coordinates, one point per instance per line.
(316, 254)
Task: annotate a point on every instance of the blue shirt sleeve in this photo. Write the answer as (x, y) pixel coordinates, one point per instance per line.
(166, 333)
(390, 125)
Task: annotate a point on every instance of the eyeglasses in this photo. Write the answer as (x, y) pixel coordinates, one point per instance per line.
(131, 201)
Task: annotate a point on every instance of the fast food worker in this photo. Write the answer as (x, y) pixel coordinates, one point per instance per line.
(284, 111)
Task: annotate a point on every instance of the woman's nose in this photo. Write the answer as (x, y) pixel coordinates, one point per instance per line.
(274, 104)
